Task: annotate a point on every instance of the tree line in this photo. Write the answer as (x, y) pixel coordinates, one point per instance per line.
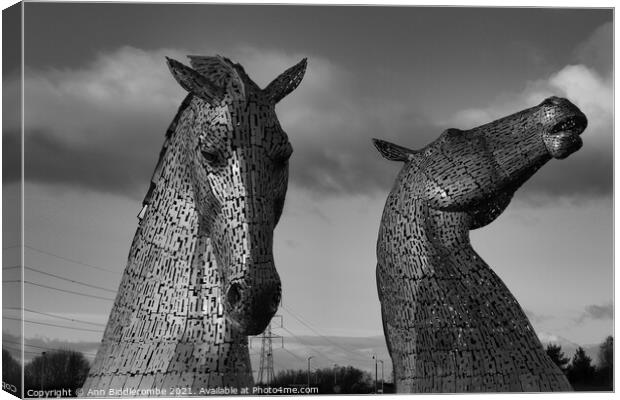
(52, 370)
(349, 380)
(67, 369)
(581, 374)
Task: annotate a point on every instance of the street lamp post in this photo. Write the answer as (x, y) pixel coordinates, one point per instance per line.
(309, 358)
(382, 379)
(374, 357)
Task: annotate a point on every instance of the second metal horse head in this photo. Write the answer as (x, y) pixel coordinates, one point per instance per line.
(450, 323)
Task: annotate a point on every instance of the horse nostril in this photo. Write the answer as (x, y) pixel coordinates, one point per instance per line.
(234, 294)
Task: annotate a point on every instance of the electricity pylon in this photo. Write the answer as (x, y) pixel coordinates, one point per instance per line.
(265, 371)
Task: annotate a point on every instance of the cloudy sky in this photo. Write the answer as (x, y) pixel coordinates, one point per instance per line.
(99, 98)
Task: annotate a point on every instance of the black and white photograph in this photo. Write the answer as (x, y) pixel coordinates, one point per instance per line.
(211, 199)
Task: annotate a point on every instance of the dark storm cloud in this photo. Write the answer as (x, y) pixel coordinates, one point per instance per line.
(11, 151)
(11, 46)
(580, 176)
(596, 50)
(597, 311)
(101, 126)
(332, 139)
(126, 169)
(338, 157)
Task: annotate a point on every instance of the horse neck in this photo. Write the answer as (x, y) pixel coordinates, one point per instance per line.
(411, 230)
(441, 302)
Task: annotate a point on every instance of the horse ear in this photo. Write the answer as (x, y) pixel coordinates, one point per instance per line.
(393, 152)
(286, 82)
(195, 82)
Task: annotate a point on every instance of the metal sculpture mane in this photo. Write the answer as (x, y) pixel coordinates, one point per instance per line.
(200, 274)
(450, 323)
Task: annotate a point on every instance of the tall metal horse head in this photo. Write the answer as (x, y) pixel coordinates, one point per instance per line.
(239, 155)
(450, 323)
(200, 275)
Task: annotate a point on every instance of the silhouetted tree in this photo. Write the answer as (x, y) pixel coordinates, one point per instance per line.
(557, 356)
(11, 374)
(344, 380)
(605, 370)
(581, 372)
(57, 370)
(353, 380)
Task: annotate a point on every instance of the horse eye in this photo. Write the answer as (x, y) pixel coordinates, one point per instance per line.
(211, 157)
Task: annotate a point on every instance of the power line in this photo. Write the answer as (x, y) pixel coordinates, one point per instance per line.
(105, 298)
(71, 260)
(58, 326)
(309, 345)
(25, 351)
(298, 318)
(291, 353)
(53, 315)
(69, 291)
(48, 348)
(65, 318)
(60, 277)
(70, 280)
(39, 353)
(12, 267)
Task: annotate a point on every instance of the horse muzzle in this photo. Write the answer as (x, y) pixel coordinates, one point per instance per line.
(250, 307)
(563, 139)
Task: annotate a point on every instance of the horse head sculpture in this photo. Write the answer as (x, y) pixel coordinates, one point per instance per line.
(200, 276)
(450, 322)
(239, 168)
